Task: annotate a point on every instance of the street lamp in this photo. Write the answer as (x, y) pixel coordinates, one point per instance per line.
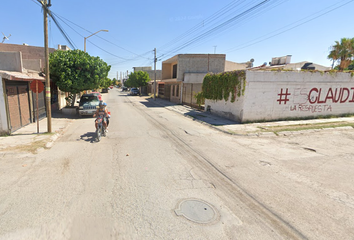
(92, 35)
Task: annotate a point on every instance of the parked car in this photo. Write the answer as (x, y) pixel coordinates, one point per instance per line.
(111, 87)
(88, 104)
(134, 91)
(105, 90)
(98, 94)
(124, 89)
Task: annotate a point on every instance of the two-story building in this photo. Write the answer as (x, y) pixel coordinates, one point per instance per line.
(19, 66)
(183, 74)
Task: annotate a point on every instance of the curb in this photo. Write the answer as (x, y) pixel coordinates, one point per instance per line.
(255, 133)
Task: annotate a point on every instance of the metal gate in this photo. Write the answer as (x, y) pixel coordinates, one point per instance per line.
(41, 106)
(17, 97)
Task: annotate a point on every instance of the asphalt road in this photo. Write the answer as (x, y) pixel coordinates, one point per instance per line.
(138, 181)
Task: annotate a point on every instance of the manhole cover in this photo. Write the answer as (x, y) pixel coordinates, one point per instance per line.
(196, 211)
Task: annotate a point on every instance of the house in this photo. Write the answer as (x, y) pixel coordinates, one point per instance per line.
(149, 88)
(19, 65)
(284, 62)
(183, 74)
(17, 101)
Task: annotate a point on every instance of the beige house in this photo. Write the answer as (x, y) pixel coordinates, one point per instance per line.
(183, 74)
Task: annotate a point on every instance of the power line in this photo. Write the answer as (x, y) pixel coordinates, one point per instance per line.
(54, 16)
(217, 14)
(263, 38)
(58, 25)
(222, 25)
(61, 18)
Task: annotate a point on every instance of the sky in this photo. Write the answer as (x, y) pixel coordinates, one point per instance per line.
(241, 29)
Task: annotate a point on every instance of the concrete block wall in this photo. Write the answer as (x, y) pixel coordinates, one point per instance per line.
(199, 63)
(290, 95)
(11, 61)
(28, 52)
(32, 64)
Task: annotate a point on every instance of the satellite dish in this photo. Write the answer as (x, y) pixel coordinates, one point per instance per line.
(252, 60)
(5, 38)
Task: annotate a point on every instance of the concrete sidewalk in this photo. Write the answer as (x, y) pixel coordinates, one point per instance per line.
(27, 139)
(275, 128)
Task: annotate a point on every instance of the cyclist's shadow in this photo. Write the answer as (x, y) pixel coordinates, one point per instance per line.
(89, 137)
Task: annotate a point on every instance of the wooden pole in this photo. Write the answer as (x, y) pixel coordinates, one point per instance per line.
(47, 78)
(37, 106)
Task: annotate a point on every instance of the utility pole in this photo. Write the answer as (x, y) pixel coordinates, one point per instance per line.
(155, 60)
(47, 78)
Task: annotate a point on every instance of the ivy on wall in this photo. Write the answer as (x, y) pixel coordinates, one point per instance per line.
(223, 85)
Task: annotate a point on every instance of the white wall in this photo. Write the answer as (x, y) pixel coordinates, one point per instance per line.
(284, 95)
(3, 118)
(194, 77)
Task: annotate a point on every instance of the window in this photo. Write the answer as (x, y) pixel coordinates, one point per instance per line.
(177, 90)
(174, 72)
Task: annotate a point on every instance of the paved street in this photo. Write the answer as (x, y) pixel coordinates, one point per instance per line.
(161, 175)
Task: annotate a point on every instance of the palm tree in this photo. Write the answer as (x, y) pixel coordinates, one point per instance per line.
(342, 51)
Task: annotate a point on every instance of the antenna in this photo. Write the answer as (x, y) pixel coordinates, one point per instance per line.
(5, 38)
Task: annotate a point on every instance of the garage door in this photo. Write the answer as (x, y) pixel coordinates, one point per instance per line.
(17, 97)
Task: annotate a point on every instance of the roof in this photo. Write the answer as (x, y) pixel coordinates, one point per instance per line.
(192, 55)
(19, 76)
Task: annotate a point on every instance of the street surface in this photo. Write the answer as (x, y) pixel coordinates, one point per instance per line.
(131, 184)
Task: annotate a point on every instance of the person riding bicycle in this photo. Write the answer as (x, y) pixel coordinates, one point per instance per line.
(101, 111)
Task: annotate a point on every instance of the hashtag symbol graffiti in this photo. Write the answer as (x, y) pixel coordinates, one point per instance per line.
(283, 97)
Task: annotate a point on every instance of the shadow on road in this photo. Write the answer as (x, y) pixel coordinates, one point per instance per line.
(89, 137)
(191, 112)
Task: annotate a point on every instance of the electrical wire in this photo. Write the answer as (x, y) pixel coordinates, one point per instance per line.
(54, 16)
(240, 23)
(276, 32)
(221, 25)
(61, 18)
(58, 25)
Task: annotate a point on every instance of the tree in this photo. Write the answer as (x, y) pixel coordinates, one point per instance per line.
(343, 52)
(351, 66)
(137, 79)
(75, 71)
(106, 83)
